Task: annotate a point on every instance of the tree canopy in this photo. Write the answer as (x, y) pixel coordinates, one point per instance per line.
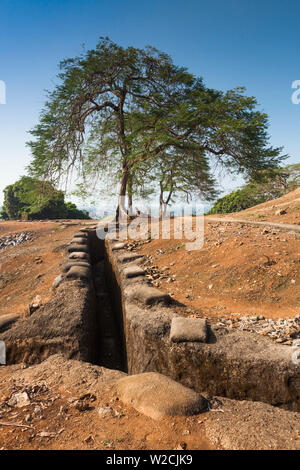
(37, 199)
(118, 110)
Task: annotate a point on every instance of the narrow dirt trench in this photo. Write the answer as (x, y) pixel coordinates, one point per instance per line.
(109, 347)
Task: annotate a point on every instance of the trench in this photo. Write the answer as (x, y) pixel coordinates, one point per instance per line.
(137, 344)
(110, 346)
(94, 322)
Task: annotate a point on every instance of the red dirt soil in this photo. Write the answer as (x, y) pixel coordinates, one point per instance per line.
(240, 269)
(29, 269)
(246, 269)
(51, 421)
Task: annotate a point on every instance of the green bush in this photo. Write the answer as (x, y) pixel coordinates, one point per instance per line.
(234, 202)
(74, 213)
(3, 215)
(36, 199)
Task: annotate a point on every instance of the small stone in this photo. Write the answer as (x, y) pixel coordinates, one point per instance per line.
(181, 446)
(46, 434)
(37, 410)
(280, 212)
(105, 411)
(37, 301)
(19, 400)
(2, 353)
(57, 281)
(82, 405)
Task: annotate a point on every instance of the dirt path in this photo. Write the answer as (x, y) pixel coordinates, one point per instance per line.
(275, 225)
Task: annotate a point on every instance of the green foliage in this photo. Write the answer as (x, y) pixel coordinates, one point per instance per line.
(264, 186)
(37, 200)
(74, 213)
(116, 112)
(235, 202)
(3, 214)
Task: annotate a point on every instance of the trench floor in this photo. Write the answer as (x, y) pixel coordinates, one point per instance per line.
(109, 347)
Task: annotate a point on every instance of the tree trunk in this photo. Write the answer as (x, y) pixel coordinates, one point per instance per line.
(163, 204)
(161, 201)
(122, 193)
(129, 195)
(165, 209)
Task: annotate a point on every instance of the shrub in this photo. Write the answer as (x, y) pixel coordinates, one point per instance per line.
(234, 202)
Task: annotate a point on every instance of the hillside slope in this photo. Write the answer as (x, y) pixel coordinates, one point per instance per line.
(289, 203)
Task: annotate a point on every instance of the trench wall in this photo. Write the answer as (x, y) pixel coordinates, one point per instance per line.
(234, 364)
(239, 365)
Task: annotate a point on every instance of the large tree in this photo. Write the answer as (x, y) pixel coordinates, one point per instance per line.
(116, 108)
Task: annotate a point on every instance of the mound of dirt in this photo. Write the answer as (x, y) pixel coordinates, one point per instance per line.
(68, 404)
(61, 325)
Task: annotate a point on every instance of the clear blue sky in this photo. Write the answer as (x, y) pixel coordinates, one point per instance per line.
(230, 43)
